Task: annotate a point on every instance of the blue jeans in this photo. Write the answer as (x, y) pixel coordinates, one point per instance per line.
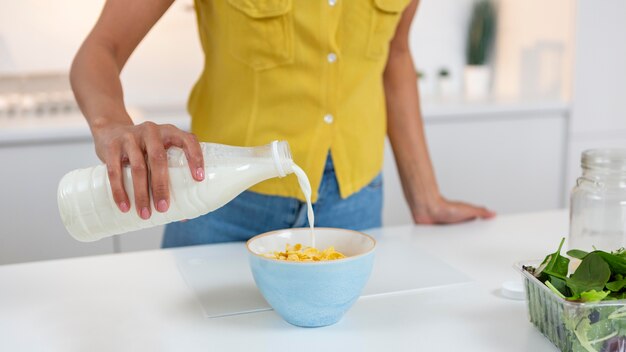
(251, 213)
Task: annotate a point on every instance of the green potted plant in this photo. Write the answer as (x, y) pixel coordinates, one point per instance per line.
(480, 39)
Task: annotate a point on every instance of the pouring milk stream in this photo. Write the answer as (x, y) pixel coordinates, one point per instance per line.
(89, 212)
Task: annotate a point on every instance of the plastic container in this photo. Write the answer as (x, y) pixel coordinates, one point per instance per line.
(598, 201)
(572, 326)
(89, 212)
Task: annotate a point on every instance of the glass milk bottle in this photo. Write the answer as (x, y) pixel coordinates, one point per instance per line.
(598, 201)
(89, 212)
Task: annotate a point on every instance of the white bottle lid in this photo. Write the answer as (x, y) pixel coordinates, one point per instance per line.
(513, 290)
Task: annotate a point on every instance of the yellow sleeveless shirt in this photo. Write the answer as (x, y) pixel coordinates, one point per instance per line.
(305, 71)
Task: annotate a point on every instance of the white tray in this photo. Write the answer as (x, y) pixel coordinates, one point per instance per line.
(220, 276)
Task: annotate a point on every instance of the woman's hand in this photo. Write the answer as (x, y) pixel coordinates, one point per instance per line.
(443, 211)
(405, 129)
(96, 84)
(144, 148)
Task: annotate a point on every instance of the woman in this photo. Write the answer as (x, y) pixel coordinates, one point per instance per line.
(327, 76)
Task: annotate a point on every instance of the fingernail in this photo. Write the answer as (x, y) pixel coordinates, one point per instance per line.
(162, 206)
(124, 206)
(145, 213)
(200, 173)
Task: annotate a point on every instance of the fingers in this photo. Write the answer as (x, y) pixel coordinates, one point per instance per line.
(191, 147)
(159, 173)
(474, 211)
(485, 213)
(468, 212)
(116, 177)
(139, 171)
(194, 156)
(144, 147)
(447, 212)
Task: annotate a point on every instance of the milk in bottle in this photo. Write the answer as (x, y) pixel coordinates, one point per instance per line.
(89, 212)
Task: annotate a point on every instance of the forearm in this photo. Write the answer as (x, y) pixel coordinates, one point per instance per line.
(95, 78)
(406, 131)
(96, 68)
(96, 84)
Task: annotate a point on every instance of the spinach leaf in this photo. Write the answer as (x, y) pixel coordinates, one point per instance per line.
(559, 285)
(592, 274)
(593, 295)
(577, 253)
(616, 285)
(581, 328)
(616, 262)
(554, 265)
(616, 295)
(555, 290)
(620, 252)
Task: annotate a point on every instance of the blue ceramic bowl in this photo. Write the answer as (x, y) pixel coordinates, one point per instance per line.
(312, 294)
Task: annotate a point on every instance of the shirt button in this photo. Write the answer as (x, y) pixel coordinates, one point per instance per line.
(328, 118)
(332, 57)
(332, 2)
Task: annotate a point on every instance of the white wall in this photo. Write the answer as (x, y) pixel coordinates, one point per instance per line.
(38, 35)
(438, 37)
(42, 36)
(599, 98)
(534, 48)
(600, 74)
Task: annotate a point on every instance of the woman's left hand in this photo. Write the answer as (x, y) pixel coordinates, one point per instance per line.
(443, 211)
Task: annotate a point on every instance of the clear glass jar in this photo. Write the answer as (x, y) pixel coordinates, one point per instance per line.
(598, 201)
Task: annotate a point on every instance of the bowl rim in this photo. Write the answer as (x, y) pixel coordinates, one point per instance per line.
(324, 262)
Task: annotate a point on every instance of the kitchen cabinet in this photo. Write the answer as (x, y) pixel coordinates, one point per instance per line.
(29, 218)
(509, 157)
(30, 222)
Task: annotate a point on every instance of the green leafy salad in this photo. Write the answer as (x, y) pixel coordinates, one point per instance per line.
(587, 320)
(600, 275)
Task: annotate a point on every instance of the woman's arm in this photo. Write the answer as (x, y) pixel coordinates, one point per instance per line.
(98, 90)
(406, 134)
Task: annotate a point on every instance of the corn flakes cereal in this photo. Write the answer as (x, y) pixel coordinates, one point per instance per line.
(298, 253)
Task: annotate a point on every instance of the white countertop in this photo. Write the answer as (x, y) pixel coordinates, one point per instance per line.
(73, 126)
(139, 302)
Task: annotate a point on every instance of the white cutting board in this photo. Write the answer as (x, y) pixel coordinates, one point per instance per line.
(220, 276)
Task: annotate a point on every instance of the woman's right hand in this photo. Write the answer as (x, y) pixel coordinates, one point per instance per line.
(96, 84)
(144, 148)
